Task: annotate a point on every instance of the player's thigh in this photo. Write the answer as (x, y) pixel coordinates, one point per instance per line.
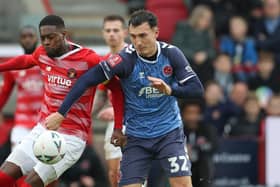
(184, 181)
(173, 156)
(17, 135)
(135, 163)
(22, 155)
(49, 173)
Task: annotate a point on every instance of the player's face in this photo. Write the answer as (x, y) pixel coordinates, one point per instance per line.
(143, 37)
(28, 40)
(114, 33)
(53, 40)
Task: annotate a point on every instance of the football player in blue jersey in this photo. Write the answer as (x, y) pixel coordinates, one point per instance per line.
(153, 74)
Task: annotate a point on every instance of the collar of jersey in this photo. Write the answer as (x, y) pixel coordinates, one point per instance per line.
(70, 52)
(151, 61)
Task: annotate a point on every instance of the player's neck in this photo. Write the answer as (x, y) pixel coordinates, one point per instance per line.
(117, 49)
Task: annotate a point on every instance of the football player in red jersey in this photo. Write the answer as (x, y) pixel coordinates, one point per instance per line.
(61, 63)
(30, 91)
(114, 33)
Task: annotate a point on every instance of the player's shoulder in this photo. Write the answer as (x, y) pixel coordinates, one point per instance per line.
(166, 47)
(129, 52)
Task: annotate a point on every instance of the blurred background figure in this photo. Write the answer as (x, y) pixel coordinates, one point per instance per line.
(195, 38)
(114, 34)
(29, 89)
(248, 124)
(267, 29)
(202, 141)
(216, 111)
(267, 75)
(222, 72)
(238, 96)
(241, 49)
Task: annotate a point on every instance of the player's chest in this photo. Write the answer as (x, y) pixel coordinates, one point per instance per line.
(29, 80)
(142, 70)
(62, 73)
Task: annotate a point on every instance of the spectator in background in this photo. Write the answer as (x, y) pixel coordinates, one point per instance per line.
(267, 29)
(224, 9)
(222, 72)
(196, 39)
(240, 48)
(248, 123)
(267, 75)
(273, 107)
(238, 96)
(29, 85)
(216, 111)
(202, 141)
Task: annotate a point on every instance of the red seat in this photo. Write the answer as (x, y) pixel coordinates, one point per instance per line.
(168, 13)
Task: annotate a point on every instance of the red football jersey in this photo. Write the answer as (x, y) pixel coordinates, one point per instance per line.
(59, 75)
(30, 92)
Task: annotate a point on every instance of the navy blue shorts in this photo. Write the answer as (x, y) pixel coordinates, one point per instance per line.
(139, 153)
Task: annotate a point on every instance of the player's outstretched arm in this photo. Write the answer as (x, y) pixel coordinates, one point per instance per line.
(17, 63)
(6, 88)
(92, 77)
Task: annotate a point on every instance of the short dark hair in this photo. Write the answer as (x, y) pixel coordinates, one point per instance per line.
(52, 20)
(31, 27)
(141, 16)
(114, 17)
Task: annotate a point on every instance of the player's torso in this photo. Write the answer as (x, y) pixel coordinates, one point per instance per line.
(149, 113)
(59, 75)
(30, 92)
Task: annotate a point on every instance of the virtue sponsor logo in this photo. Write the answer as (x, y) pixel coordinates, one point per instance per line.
(57, 80)
(150, 92)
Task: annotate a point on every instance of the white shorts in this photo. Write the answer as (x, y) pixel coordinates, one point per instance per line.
(111, 151)
(23, 156)
(17, 134)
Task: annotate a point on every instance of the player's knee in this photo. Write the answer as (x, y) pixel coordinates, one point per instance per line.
(34, 180)
(181, 182)
(113, 174)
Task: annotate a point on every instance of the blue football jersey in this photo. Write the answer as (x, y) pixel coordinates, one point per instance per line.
(148, 112)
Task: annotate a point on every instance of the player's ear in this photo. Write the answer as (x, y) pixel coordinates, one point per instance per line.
(156, 31)
(65, 34)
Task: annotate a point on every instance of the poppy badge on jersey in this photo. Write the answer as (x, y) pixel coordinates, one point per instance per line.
(114, 60)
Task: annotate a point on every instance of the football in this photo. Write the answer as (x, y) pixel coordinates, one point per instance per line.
(49, 147)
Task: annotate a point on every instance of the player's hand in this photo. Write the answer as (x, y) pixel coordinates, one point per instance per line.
(106, 114)
(118, 138)
(160, 85)
(53, 121)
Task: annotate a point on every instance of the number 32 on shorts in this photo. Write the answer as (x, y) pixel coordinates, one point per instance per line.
(175, 163)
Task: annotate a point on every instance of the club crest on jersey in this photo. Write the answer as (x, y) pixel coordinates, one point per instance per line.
(114, 60)
(71, 73)
(167, 70)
